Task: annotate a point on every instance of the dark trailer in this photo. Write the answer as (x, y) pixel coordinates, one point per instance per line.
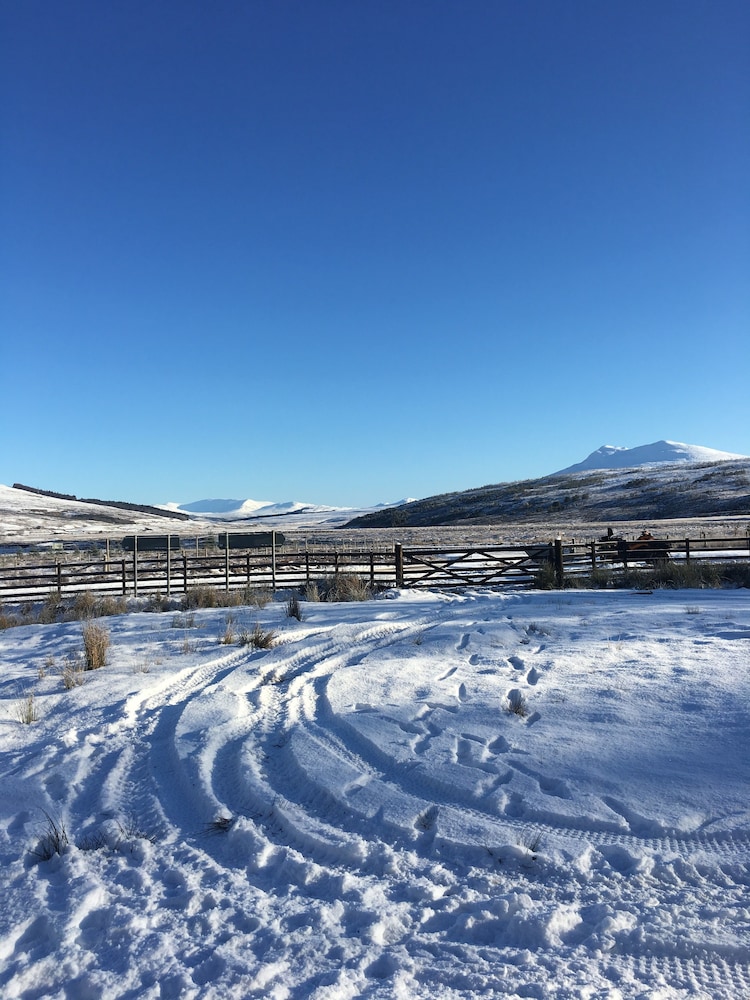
(151, 543)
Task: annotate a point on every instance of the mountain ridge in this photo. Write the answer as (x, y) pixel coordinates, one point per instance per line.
(618, 457)
(649, 493)
(660, 489)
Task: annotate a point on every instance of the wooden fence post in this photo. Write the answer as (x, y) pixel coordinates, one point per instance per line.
(273, 561)
(184, 574)
(687, 551)
(135, 565)
(559, 567)
(59, 579)
(593, 556)
(169, 565)
(399, 552)
(226, 561)
(124, 578)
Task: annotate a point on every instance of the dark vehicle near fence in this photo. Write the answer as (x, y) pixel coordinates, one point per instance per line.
(645, 548)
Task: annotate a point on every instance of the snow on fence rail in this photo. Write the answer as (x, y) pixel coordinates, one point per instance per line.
(175, 572)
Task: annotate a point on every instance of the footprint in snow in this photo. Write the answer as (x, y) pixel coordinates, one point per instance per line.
(554, 786)
(499, 745)
(56, 786)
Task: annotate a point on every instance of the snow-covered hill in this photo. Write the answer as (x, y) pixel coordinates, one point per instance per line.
(290, 513)
(36, 517)
(614, 457)
(654, 491)
(240, 510)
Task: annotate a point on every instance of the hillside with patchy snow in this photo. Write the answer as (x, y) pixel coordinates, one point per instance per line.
(647, 494)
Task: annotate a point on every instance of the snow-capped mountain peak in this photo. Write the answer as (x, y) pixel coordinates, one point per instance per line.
(617, 457)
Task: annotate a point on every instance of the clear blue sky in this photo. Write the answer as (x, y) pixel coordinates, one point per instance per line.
(344, 252)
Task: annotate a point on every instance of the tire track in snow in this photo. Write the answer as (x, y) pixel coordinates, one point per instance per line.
(322, 810)
(312, 807)
(126, 781)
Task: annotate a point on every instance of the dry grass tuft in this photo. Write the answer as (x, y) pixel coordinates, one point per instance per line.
(95, 645)
(293, 609)
(25, 710)
(262, 638)
(72, 673)
(228, 637)
(53, 841)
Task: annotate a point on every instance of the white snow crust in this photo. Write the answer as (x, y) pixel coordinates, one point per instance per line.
(356, 813)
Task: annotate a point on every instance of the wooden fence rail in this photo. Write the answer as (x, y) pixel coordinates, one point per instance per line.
(145, 573)
(174, 574)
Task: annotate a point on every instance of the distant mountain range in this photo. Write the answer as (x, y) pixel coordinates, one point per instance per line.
(663, 480)
(653, 482)
(266, 514)
(296, 514)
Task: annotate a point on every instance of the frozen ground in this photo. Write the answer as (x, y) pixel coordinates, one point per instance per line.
(356, 813)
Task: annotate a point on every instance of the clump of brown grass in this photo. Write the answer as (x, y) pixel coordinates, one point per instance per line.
(228, 637)
(95, 645)
(293, 609)
(261, 638)
(257, 597)
(72, 673)
(8, 620)
(342, 587)
(25, 710)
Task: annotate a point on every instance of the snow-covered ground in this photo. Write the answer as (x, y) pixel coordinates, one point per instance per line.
(356, 812)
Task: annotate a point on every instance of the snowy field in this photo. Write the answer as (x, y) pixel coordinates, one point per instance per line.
(356, 812)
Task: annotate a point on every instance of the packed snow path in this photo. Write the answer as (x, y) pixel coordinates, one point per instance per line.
(427, 795)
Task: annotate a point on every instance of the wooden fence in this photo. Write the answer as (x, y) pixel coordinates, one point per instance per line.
(175, 573)
(172, 574)
(556, 564)
(488, 566)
